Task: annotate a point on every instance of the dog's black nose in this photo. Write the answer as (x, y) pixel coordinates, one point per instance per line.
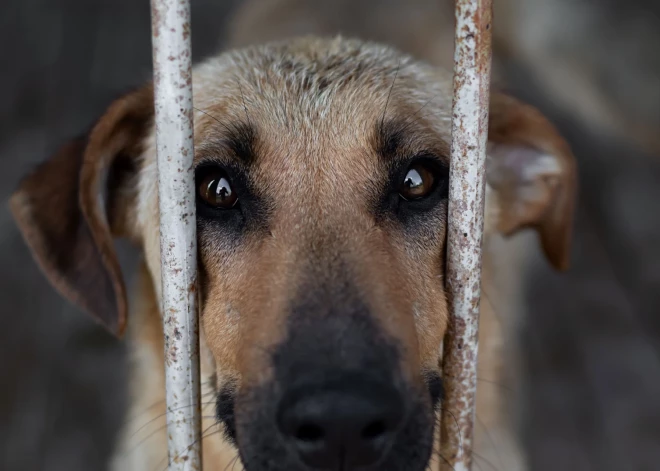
(344, 428)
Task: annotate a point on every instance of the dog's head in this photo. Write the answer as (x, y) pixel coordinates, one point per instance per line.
(322, 176)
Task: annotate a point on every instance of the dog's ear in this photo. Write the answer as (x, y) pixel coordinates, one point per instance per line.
(70, 207)
(533, 174)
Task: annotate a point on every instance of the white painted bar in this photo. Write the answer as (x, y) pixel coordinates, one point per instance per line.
(472, 64)
(178, 241)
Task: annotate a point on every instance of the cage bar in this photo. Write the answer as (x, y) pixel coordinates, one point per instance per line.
(472, 64)
(172, 61)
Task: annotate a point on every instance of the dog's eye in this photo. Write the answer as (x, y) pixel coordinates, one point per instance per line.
(418, 182)
(215, 190)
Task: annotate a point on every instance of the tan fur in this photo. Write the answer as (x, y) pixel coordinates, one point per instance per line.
(316, 105)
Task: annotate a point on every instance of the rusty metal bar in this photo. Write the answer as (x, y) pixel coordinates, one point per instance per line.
(472, 64)
(178, 241)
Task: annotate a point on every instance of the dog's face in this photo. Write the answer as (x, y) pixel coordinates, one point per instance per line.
(321, 171)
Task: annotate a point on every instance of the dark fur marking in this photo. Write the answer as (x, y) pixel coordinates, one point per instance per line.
(241, 141)
(436, 388)
(389, 140)
(224, 411)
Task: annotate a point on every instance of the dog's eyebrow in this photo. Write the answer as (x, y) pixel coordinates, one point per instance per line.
(389, 139)
(395, 140)
(241, 140)
(237, 139)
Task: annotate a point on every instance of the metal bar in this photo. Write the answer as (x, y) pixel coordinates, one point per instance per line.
(472, 64)
(178, 241)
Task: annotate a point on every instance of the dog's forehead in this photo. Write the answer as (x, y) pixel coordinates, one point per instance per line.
(314, 71)
(320, 106)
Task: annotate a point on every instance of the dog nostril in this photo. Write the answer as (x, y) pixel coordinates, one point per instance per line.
(309, 433)
(349, 428)
(374, 430)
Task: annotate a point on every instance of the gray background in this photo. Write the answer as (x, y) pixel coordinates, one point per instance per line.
(592, 363)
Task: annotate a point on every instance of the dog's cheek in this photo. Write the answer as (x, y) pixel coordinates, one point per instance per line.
(431, 326)
(430, 314)
(221, 282)
(221, 324)
(424, 268)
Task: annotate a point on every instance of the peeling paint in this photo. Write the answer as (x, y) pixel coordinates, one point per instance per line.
(174, 131)
(472, 64)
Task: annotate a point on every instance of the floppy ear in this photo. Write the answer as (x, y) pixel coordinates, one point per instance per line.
(533, 173)
(70, 206)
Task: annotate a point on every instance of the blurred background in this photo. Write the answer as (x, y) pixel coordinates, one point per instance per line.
(591, 339)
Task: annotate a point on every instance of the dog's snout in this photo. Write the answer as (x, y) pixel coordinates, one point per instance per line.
(347, 428)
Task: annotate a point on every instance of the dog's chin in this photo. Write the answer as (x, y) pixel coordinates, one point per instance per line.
(251, 429)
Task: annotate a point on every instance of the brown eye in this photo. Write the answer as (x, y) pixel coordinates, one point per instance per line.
(418, 183)
(216, 191)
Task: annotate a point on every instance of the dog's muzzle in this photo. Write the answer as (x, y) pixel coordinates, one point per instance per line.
(337, 397)
(347, 425)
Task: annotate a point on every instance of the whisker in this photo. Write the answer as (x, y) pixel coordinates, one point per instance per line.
(141, 413)
(224, 125)
(144, 440)
(146, 409)
(488, 462)
(445, 460)
(160, 416)
(389, 95)
(434, 457)
(232, 463)
(474, 453)
(154, 433)
(238, 460)
(490, 439)
(492, 305)
(202, 437)
(460, 435)
(416, 116)
(247, 115)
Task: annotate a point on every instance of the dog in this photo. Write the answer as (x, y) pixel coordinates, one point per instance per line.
(321, 173)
